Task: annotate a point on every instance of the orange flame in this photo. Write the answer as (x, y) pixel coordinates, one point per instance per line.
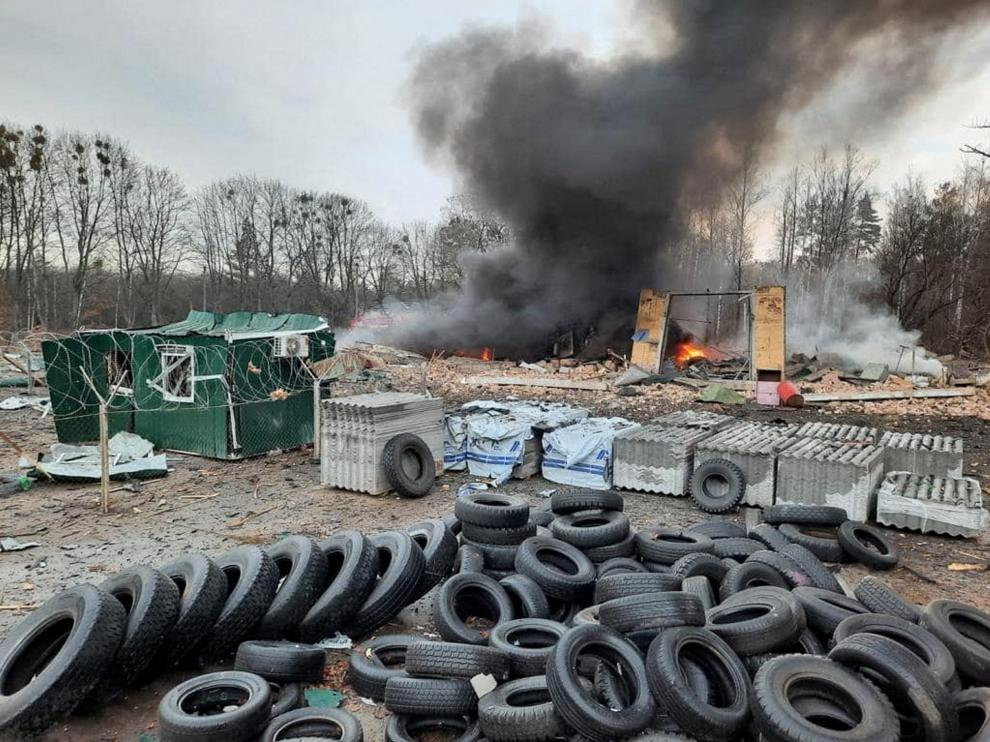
(486, 353)
(688, 352)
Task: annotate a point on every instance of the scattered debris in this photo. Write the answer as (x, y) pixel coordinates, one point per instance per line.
(20, 401)
(131, 457)
(12, 544)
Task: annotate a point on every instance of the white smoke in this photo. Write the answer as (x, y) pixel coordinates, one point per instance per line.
(831, 316)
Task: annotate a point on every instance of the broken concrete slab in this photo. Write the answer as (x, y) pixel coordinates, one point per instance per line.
(923, 453)
(950, 506)
(839, 473)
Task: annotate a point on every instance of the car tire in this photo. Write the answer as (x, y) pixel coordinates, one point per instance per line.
(396, 586)
(720, 718)
(409, 465)
(813, 567)
(717, 486)
(825, 609)
(54, 657)
(619, 565)
(151, 600)
(623, 585)
(701, 588)
(202, 594)
(537, 558)
(528, 644)
(352, 571)
(190, 710)
(652, 611)
(816, 539)
(909, 683)
(756, 622)
(314, 723)
(587, 529)
(880, 598)
(563, 503)
(667, 545)
(770, 536)
(492, 509)
(921, 642)
(302, 569)
(455, 660)
(867, 545)
(716, 528)
(810, 515)
(965, 631)
(377, 660)
(403, 728)
(786, 679)
(480, 593)
(439, 547)
(528, 600)
(750, 574)
(281, 662)
(425, 696)
(252, 579)
(577, 704)
(520, 710)
(468, 559)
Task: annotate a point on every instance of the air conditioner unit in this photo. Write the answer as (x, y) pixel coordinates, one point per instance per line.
(292, 346)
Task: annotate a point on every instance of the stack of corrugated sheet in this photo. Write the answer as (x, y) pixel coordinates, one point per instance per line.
(922, 453)
(837, 432)
(656, 458)
(355, 430)
(753, 447)
(698, 419)
(821, 471)
(952, 506)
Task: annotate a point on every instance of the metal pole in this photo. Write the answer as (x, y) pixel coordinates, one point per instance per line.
(104, 459)
(317, 423)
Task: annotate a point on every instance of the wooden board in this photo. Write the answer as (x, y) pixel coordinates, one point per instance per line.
(590, 386)
(769, 332)
(651, 321)
(890, 394)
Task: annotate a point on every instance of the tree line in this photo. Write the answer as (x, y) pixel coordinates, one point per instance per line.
(927, 260)
(92, 236)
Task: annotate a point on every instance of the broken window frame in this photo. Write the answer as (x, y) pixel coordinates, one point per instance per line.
(171, 357)
(119, 371)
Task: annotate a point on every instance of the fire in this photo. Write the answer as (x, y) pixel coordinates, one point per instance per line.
(486, 353)
(688, 352)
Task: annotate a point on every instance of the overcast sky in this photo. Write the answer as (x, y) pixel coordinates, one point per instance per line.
(311, 92)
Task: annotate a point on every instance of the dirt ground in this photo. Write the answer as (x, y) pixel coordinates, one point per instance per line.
(211, 506)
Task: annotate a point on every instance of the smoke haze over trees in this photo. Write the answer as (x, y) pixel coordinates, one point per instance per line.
(583, 181)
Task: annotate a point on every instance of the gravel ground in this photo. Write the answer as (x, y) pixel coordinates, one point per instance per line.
(211, 506)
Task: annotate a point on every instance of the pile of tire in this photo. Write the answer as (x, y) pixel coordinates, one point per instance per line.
(709, 633)
(88, 643)
(262, 699)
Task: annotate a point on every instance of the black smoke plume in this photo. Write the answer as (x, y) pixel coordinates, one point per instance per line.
(595, 164)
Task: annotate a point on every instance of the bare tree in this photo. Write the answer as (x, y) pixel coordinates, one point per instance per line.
(745, 191)
(79, 184)
(787, 220)
(155, 209)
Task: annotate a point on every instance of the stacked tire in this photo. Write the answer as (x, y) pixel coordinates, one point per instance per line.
(144, 620)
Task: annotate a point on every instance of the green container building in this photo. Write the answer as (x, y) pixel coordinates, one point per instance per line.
(224, 386)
